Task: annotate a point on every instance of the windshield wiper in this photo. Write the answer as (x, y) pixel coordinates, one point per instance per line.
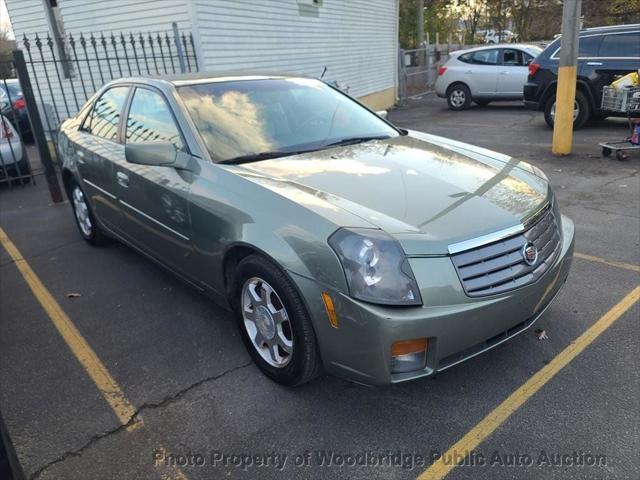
(355, 140)
(256, 157)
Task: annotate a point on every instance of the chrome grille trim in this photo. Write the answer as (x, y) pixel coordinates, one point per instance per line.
(499, 266)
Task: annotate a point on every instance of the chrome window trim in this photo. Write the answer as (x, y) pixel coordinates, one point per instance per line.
(499, 235)
(553, 56)
(110, 195)
(139, 212)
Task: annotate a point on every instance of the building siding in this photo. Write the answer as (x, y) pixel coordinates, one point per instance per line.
(356, 39)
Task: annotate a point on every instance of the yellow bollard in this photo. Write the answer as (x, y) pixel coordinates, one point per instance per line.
(565, 102)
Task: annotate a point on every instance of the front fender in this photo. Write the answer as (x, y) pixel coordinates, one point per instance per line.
(228, 210)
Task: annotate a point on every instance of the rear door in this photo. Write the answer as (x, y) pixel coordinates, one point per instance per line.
(97, 149)
(483, 72)
(618, 54)
(513, 73)
(153, 199)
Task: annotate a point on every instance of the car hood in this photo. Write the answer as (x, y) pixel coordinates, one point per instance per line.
(428, 191)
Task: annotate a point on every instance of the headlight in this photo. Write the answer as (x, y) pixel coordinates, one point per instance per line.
(376, 267)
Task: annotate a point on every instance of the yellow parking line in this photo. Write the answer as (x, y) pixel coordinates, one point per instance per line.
(110, 390)
(502, 412)
(612, 263)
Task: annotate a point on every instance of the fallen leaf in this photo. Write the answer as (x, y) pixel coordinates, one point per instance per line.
(73, 295)
(541, 334)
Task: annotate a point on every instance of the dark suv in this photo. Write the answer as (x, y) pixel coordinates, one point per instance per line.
(604, 54)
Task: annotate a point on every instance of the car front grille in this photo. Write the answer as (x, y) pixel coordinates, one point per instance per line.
(500, 266)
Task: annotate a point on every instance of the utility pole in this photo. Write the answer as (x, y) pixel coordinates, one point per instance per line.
(567, 74)
(420, 22)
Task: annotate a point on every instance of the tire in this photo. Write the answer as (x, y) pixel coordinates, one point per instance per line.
(84, 217)
(606, 151)
(482, 103)
(458, 97)
(584, 110)
(257, 279)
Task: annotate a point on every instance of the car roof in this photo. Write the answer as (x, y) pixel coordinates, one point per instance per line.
(611, 28)
(523, 46)
(203, 77)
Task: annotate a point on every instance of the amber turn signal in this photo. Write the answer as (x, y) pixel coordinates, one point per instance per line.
(331, 311)
(406, 347)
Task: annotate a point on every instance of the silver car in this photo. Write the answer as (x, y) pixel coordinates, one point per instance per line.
(12, 162)
(485, 74)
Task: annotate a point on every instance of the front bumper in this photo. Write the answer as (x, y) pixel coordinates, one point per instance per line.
(458, 327)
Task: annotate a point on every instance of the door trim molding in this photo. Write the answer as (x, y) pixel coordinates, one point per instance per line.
(157, 222)
(110, 195)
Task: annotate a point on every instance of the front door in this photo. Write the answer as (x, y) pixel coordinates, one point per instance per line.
(154, 200)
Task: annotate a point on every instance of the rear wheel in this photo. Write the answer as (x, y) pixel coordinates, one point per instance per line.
(85, 220)
(581, 110)
(274, 322)
(458, 97)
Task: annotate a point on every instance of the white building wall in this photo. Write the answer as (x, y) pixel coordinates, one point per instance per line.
(96, 17)
(355, 39)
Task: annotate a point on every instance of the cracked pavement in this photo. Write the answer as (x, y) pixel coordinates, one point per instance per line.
(179, 360)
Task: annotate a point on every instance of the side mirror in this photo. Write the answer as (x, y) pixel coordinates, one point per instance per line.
(382, 114)
(158, 154)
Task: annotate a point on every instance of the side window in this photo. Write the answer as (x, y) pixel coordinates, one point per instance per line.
(104, 117)
(526, 58)
(150, 120)
(466, 58)
(512, 58)
(621, 45)
(588, 46)
(485, 57)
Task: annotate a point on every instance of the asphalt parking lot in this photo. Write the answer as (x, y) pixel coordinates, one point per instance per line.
(186, 393)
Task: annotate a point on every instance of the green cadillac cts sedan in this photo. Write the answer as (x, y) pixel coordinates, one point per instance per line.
(342, 243)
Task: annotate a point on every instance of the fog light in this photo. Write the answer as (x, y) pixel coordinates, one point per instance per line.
(408, 355)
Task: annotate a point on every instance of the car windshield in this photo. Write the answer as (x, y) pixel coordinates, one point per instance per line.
(272, 117)
(533, 50)
(14, 89)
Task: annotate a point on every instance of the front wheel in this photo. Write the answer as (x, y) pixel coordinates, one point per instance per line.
(581, 111)
(274, 323)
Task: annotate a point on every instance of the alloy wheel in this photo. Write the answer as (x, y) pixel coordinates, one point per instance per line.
(267, 322)
(81, 210)
(576, 110)
(458, 98)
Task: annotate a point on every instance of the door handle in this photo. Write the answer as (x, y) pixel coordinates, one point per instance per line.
(123, 179)
(504, 72)
(594, 64)
(469, 72)
(81, 157)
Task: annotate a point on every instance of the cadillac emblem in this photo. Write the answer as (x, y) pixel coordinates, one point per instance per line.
(530, 254)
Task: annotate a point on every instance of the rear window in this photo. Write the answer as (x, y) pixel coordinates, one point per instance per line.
(620, 45)
(481, 57)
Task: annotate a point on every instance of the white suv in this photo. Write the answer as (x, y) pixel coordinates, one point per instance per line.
(485, 74)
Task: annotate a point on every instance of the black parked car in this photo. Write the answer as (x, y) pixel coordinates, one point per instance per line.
(604, 54)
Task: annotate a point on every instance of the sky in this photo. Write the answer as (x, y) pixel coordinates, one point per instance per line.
(5, 24)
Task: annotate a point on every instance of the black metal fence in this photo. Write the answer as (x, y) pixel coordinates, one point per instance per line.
(57, 75)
